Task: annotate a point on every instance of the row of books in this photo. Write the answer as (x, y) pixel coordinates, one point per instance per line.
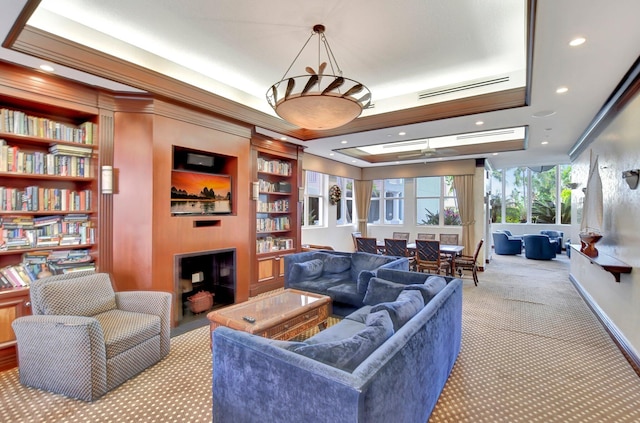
(271, 224)
(18, 122)
(60, 161)
(40, 264)
(36, 198)
(24, 232)
(274, 166)
(267, 186)
(275, 206)
(269, 244)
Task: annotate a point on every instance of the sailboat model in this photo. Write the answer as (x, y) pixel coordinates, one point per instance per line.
(591, 224)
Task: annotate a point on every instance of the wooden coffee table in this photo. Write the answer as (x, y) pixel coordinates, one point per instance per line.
(282, 315)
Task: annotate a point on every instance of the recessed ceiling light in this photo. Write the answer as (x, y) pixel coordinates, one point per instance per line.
(402, 133)
(479, 123)
(562, 90)
(577, 41)
(544, 142)
(495, 154)
(543, 113)
(332, 154)
(353, 161)
(344, 142)
(283, 138)
(47, 68)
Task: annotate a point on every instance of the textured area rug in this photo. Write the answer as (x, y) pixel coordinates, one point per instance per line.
(532, 351)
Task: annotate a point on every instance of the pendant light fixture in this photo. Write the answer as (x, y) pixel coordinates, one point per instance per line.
(319, 100)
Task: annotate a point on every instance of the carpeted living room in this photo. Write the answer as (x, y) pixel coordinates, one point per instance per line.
(532, 350)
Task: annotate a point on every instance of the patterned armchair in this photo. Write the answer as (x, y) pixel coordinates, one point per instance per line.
(84, 339)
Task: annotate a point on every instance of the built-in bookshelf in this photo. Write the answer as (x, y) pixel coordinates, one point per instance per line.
(277, 176)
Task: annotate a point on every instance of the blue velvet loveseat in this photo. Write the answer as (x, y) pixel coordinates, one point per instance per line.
(386, 362)
(341, 275)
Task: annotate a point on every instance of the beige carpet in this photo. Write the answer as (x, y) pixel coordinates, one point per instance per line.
(531, 352)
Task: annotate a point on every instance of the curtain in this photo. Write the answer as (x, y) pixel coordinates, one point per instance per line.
(463, 185)
(363, 202)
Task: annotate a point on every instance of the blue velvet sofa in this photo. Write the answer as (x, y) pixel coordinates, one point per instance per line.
(539, 247)
(505, 244)
(369, 368)
(341, 275)
(556, 236)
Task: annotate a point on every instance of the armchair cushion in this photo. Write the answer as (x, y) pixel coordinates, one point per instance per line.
(348, 353)
(124, 330)
(76, 297)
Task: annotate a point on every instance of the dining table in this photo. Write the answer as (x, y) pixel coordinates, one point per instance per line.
(446, 249)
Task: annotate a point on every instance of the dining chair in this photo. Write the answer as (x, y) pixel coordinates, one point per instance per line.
(366, 245)
(466, 262)
(401, 235)
(398, 248)
(424, 235)
(355, 235)
(428, 257)
(449, 239)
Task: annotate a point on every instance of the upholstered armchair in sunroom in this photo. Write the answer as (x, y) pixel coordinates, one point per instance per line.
(84, 339)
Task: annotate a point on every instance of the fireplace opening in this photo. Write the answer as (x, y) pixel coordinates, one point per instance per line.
(204, 281)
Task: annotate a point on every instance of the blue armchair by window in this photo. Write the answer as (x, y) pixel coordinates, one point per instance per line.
(505, 245)
(557, 236)
(539, 247)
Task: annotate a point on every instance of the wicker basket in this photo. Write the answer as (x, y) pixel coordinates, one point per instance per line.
(202, 301)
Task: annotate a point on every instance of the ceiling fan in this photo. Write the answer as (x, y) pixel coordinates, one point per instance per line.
(426, 152)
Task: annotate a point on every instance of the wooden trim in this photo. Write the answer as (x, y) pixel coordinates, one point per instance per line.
(41, 44)
(618, 338)
(20, 22)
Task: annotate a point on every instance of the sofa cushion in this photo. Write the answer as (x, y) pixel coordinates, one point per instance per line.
(307, 270)
(366, 261)
(320, 285)
(430, 288)
(346, 293)
(336, 264)
(381, 291)
(360, 315)
(345, 328)
(408, 304)
(348, 353)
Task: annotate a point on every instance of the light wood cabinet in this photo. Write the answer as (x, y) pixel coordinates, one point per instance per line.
(276, 207)
(14, 303)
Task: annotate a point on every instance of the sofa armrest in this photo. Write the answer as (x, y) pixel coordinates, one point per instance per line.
(150, 302)
(64, 354)
(243, 362)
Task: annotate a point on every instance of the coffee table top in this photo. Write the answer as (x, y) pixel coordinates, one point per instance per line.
(267, 310)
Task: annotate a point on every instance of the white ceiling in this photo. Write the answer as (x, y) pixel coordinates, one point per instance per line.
(238, 49)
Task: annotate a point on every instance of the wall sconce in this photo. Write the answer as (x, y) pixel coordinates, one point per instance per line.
(573, 185)
(631, 177)
(106, 180)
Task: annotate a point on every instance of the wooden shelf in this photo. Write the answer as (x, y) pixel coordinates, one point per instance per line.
(608, 263)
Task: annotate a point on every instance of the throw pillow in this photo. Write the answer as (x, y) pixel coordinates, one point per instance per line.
(307, 270)
(408, 304)
(430, 288)
(382, 290)
(337, 264)
(347, 354)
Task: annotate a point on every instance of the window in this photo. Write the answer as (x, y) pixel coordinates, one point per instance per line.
(515, 195)
(521, 195)
(436, 202)
(344, 208)
(312, 211)
(387, 199)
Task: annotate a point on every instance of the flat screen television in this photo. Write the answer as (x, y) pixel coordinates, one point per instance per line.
(197, 193)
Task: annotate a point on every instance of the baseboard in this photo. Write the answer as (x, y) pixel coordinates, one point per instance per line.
(617, 336)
